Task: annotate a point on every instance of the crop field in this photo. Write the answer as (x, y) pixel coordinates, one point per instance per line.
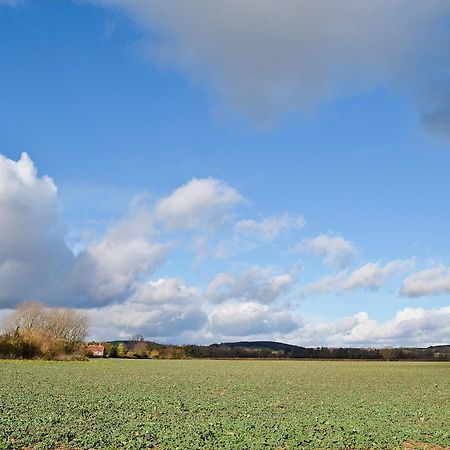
(196, 404)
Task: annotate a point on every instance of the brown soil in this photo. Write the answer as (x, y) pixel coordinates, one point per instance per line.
(412, 445)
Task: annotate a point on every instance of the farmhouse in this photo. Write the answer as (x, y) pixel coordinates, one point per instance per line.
(96, 349)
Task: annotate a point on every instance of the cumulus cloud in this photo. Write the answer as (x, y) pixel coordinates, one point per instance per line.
(166, 290)
(249, 318)
(164, 308)
(170, 310)
(433, 281)
(268, 228)
(371, 276)
(35, 261)
(108, 271)
(410, 326)
(270, 57)
(327, 283)
(109, 276)
(200, 203)
(33, 253)
(255, 284)
(335, 250)
(248, 234)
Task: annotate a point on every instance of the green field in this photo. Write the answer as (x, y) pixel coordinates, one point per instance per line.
(190, 404)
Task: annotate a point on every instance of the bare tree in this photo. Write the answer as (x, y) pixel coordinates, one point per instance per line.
(141, 349)
(27, 316)
(68, 324)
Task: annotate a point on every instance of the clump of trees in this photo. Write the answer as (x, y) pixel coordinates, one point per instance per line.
(34, 330)
(140, 349)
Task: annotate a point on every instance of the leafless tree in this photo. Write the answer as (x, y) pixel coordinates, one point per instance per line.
(27, 316)
(68, 324)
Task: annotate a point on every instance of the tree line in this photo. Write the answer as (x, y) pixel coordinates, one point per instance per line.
(140, 349)
(284, 351)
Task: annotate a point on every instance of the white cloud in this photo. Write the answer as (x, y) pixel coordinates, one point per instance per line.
(336, 251)
(328, 283)
(433, 281)
(266, 57)
(164, 308)
(255, 285)
(268, 228)
(35, 261)
(249, 318)
(249, 234)
(109, 275)
(410, 326)
(166, 290)
(109, 270)
(200, 203)
(33, 253)
(371, 276)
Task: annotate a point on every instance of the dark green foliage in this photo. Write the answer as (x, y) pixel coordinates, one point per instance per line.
(269, 349)
(278, 350)
(111, 351)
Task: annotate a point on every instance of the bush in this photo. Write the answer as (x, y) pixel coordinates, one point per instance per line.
(121, 350)
(140, 350)
(35, 343)
(34, 330)
(111, 351)
(14, 345)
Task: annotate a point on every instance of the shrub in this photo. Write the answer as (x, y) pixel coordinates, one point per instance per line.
(121, 350)
(111, 351)
(37, 331)
(14, 345)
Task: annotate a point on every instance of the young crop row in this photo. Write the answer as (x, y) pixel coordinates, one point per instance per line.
(197, 404)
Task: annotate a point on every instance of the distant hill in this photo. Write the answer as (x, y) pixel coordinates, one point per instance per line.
(443, 348)
(131, 342)
(269, 345)
(272, 349)
(290, 348)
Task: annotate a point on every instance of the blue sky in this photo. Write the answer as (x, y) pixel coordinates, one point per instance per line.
(270, 171)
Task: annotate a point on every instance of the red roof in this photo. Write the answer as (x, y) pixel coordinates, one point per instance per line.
(96, 348)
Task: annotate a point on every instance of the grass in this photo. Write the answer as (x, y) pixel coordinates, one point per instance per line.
(190, 404)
